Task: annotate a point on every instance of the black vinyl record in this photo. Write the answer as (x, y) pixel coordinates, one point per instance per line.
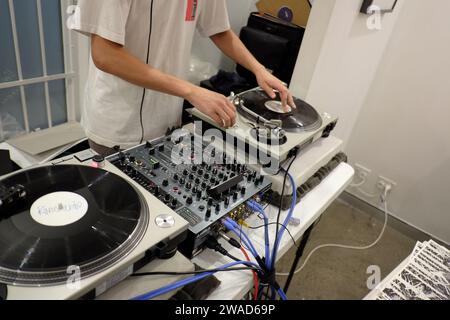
(303, 118)
(71, 216)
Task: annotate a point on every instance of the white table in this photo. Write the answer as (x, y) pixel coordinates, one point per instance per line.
(234, 285)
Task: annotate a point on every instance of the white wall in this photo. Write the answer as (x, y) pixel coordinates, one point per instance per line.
(390, 90)
(403, 129)
(203, 48)
(339, 58)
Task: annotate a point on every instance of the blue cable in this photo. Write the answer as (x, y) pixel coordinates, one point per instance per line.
(253, 205)
(184, 282)
(233, 226)
(282, 294)
(286, 221)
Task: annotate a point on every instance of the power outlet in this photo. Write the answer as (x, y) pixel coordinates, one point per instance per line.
(383, 182)
(362, 172)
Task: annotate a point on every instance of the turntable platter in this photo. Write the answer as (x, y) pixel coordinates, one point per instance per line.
(71, 216)
(303, 118)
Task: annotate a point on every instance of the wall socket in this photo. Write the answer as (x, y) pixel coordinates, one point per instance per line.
(361, 171)
(383, 182)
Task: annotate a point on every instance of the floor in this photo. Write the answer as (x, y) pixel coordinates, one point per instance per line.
(341, 274)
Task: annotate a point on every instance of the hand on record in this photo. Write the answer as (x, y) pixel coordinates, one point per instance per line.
(214, 105)
(270, 84)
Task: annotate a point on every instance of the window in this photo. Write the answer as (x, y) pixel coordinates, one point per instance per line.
(36, 77)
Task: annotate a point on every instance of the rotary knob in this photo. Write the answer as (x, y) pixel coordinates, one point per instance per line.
(165, 183)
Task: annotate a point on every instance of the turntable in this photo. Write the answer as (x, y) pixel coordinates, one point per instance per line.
(73, 230)
(269, 135)
(265, 127)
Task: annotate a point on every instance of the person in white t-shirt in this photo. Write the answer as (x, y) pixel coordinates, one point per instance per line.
(140, 53)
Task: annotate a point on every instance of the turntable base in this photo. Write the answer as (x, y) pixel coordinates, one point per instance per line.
(153, 242)
(301, 127)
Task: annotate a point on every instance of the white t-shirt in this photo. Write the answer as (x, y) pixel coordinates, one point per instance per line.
(112, 107)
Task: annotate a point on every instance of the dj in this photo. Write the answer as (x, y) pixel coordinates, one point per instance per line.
(137, 44)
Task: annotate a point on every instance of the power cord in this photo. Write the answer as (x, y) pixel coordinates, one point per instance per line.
(386, 217)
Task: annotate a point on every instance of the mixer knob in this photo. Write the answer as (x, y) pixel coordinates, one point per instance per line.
(176, 177)
(161, 148)
(206, 176)
(182, 181)
(174, 203)
(185, 172)
(194, 168)
(189, 200)
(214, 171)
(218, 207)
(151, 151)
(235, 195)
(167, 198)
(165, 183)
(204, 185)
(157, 191)
(188, 185)
(199, 194)
(197, 181)
(213, 181)
(191, 176)
(243, 190)
(226, 201)
(200, 172)
(210, 202)
(208, 213)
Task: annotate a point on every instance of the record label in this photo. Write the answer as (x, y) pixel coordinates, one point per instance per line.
(59, 209)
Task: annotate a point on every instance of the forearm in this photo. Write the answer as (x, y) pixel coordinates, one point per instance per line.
(114, 59)
(230, 44)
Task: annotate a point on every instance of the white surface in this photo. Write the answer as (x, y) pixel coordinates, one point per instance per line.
(236, 284)
(43, 141)
(406, 116)
(136, 286)
(25, 160)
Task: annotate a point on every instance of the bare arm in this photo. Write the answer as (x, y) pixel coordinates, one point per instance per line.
(114, 59)
(232, 46)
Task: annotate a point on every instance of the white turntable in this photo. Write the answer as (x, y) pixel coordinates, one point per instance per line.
(73, 230)
(271, 135)
(264, 126)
